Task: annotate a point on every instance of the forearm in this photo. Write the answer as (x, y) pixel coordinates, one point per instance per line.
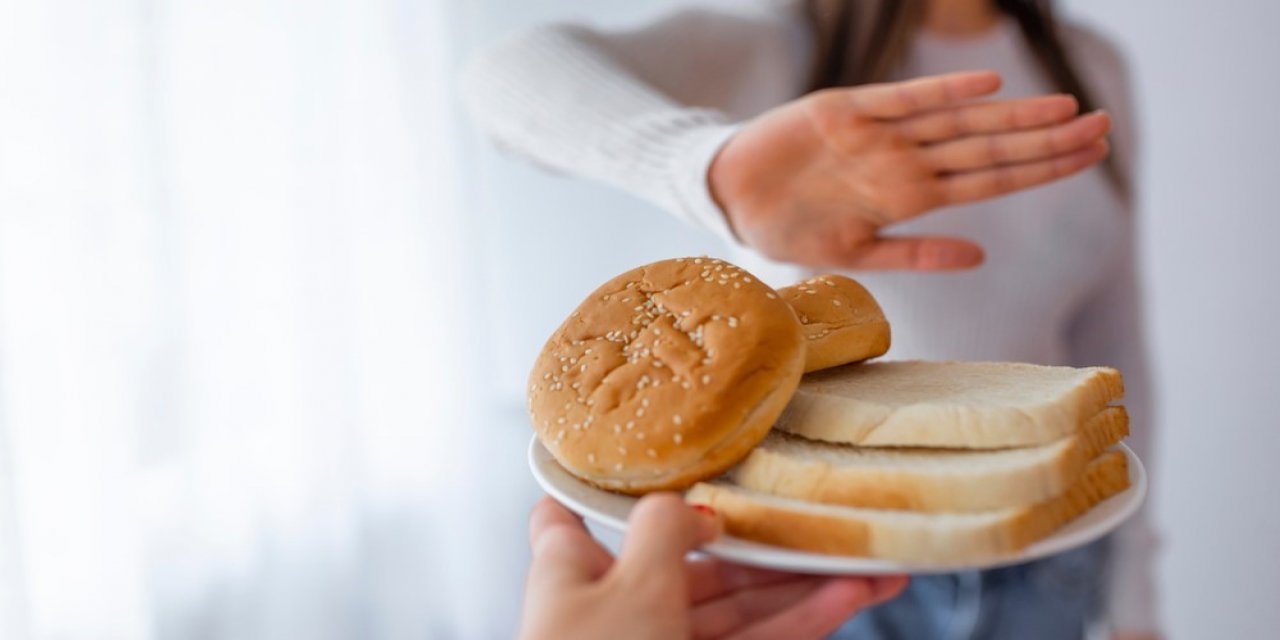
(645, 110)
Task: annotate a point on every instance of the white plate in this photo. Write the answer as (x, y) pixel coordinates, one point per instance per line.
(611, 510)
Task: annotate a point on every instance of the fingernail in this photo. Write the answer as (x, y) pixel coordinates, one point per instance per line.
(710, 520)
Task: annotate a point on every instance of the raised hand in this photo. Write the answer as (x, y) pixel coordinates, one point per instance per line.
(816, 180)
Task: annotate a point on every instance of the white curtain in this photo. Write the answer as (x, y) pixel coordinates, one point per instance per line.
(234, 401)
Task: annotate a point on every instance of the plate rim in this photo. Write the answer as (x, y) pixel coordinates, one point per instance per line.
(746, 552)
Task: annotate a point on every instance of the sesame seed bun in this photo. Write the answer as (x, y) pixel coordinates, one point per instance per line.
(666, 375)
(842, 321)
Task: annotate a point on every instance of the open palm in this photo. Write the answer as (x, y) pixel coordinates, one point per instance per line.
(817, 179)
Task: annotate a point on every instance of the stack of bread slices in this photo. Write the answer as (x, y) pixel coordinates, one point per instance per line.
(942, 462)
(691, 375)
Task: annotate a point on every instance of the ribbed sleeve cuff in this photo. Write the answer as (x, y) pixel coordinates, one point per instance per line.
(688, 179)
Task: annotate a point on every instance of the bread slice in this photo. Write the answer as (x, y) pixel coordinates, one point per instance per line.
(931, 480)
(948, 539)
(977, 405)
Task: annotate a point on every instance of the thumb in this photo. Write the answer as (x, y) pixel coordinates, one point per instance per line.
(915, 253)
(663, 528)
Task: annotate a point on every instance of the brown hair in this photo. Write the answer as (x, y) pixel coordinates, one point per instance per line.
(860, 42)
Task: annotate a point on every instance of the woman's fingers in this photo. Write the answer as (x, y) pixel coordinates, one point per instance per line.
(914, 253)
(711, 578)
(662, 528)
(980, 152)
(901, 99)
(885, 588)
(563, 551)
(739, 609)
(989, 183)
(817, 615)
(988, 117)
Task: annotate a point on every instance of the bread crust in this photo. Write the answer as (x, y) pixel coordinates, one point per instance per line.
(842, 321)
(1015, 478)
(849, 404)
(912, 537)
(665, 375)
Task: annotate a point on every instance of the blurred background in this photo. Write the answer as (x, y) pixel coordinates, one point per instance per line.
(267, 301)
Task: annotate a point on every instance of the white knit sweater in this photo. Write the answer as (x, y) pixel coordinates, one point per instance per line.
(646, 110)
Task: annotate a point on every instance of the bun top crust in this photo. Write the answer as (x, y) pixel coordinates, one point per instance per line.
(665, 375)
(829, 303)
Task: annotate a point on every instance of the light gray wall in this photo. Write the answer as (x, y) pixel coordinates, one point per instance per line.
(1207, 97)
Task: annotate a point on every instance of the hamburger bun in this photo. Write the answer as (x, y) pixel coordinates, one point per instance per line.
(842, 322)
(666, 375)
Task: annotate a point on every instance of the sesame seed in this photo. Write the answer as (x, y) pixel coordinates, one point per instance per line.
(810, 291)
(706, 378)
(835, 302)
(651, 453)
(677, 419)
(828, 283)
(591, 458)
(631, 424)
(617, 429)
(546, 376)
(640, 412)
(644, 402)
(588, 351)
(560, 420)
(677, 438)
(617, 466)
(771, 296)
(577, 427)
(733, 322)
(622, 450)
(737, 285)
(639, 435)
(564, 367)
(576, 385)
(583, 368)
(560, 436)
(697, 260)
(746, 279)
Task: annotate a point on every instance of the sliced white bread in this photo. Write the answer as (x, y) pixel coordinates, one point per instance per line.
(933, 480)
(952, 539)
(977, 405)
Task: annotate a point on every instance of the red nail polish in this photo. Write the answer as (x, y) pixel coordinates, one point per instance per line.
(705, 509)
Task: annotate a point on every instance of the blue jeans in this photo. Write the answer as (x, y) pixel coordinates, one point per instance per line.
(1052, 599)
